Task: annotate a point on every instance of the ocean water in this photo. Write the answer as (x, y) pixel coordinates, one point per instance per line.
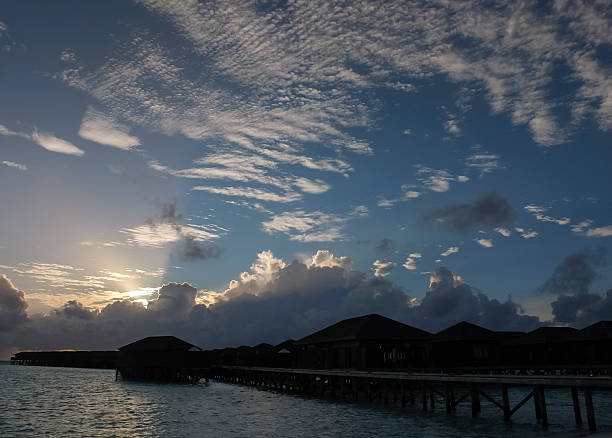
(74, 402)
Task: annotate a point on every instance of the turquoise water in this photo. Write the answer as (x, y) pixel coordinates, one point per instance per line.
(73, 402)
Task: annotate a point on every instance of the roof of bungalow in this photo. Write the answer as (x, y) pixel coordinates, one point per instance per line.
(601, 330)
(160, 343)
(465, 331)
(544, 335)
(367, 327)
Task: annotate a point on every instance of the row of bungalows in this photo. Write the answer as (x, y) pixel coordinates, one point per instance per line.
(375, 342)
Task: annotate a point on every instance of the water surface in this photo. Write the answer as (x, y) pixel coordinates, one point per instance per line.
(74, 402)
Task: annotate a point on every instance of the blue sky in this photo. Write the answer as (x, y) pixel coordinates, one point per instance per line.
(157, 141)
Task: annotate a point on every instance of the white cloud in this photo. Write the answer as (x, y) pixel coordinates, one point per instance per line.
(309, 186)
(382, 269)
(532, 208)
(450, 250)
(54, 144)
(503, 231)
(159, 235)
(463, 178)
(580, 227)
(301, 226)
(434, 179)
(600, 232)
(487, 243)
(15, 165)
(452, 127)
(407, 132)
(529, 235)
(325, 259)
(483, 161)
(102, 129)
(411, 260)
(360, 211)
(303, 89)
(250, 192)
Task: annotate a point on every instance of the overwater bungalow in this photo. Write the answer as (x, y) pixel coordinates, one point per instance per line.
(164, 358)
(366, 342)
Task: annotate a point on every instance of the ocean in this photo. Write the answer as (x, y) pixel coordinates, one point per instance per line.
(75, 402)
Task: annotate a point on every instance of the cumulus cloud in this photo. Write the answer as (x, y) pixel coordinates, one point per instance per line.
(410, 262)
(487, 243)
(575, 273)
(13, 305)
(325, 259)
(382, 269)
(272, 302)
(503, 231)
(600, 232)
(450, 250)
(100, 128)
(572, 280)
(488, 211)
(450, 300)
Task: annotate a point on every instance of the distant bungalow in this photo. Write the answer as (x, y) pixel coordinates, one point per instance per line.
(165, 358)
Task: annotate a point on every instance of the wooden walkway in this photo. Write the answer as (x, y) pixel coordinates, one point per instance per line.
(402, 388)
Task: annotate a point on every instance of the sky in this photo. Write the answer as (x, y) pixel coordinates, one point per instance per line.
(238, 172)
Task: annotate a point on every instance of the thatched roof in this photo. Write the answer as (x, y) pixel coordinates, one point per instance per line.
(368, 327)
(465, 331)
(160, 343)
(599, 331)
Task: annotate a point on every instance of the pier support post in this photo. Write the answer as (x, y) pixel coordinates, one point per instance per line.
(447, 398)
(588, 401)
(424, 391)
(542, 403)
(475, 401)
(506, 403)
(576, 403)
(536, 403)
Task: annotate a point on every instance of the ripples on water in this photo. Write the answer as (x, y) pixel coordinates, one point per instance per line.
(73, 402)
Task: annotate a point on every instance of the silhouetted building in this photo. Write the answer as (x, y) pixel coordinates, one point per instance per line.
(465, 344)
(366, 342)
(164, 358)
(592, 344)
(543, 346)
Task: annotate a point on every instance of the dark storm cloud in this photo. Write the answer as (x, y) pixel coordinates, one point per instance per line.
(572, 280)
(74, 309)
(287, 302)
(575, 273)
(488, 211)
(385, 246)
(13, 305)
(450, 300)
(575, 308)
(188, 248)
(193, 250)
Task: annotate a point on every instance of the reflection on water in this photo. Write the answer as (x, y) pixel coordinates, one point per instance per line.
(71, 402)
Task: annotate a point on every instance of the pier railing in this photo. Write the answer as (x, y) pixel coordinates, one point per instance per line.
(423, 389)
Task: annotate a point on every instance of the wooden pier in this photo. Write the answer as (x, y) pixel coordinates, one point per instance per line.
(423, 389)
